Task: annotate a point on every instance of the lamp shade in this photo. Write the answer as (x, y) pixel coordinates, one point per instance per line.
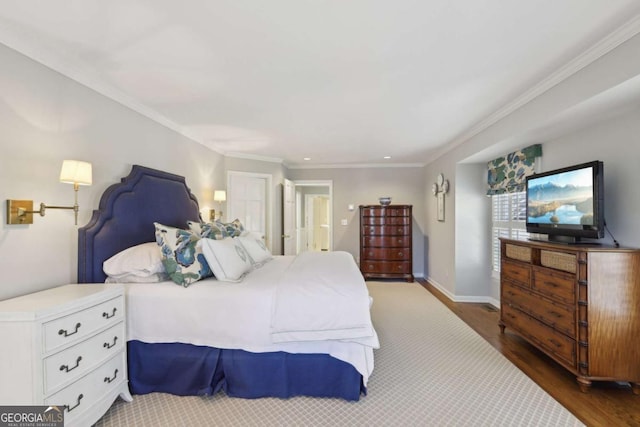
(76, 172)
(219, 196)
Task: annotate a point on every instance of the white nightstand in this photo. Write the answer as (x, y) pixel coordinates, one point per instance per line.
(65, 346)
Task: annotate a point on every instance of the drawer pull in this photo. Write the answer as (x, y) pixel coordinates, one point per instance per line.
(71, 408)
(555, 314)
(551, 284)
(66, 333)
(400, 241)
(66, 368)
(554, 342)
(108, 346)
(370, 267)
(400, 254)
(108, 380)
(109, 316)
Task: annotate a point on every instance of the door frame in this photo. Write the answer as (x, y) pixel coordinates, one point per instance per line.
(318, 183)
(268, 215)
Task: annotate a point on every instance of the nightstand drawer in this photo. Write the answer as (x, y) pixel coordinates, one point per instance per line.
(76, 326)
(75, 361)
(83, 394)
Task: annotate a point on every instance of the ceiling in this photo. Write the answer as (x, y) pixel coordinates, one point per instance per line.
(342, 82)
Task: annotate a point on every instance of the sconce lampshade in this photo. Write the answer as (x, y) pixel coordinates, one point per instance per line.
(76, 172)
(219, 196)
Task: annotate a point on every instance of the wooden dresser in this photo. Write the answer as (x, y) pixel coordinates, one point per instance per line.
(385, 242)
(65, 347)
(580, 304)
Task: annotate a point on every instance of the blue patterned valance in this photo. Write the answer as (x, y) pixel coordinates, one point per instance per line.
(507, 174)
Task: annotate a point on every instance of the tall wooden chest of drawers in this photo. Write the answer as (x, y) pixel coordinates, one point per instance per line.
(578, 304)
(65, 347)
(385, 242)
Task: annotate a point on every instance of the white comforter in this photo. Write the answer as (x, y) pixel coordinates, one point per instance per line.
(239, 315)
(322, 296)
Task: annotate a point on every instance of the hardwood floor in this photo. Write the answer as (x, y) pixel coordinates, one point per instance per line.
(606, 404)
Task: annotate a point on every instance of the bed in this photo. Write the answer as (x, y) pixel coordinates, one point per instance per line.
(270, 335)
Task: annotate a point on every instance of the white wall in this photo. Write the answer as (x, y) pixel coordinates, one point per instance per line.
(610, 135)
(45, 118)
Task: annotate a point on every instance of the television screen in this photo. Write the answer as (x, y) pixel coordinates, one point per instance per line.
(566, 202)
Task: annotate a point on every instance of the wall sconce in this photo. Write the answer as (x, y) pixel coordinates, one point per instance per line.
(218, 196)
(439, 189)
(73, 172)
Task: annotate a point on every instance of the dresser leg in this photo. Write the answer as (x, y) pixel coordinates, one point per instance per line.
(501, 327)
(584, 384)
(635, 388)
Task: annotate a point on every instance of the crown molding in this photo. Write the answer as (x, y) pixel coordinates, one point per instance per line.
(254, 157)
(69, 66)
(622, 34)
(356, 166)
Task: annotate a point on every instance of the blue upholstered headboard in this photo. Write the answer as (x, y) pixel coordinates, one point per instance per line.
(126, 215)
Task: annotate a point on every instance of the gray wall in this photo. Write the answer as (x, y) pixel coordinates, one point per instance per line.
(46, 118)
(579, 119)
(363, 186)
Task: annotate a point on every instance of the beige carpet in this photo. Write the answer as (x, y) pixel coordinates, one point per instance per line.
(431, 370)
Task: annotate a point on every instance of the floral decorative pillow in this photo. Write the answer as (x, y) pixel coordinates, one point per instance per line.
(216, 230)
(234, 228)
(181, 255)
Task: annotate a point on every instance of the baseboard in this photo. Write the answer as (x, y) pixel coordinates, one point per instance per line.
(466, 298)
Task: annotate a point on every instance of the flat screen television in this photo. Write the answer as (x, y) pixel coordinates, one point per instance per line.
(567, 204)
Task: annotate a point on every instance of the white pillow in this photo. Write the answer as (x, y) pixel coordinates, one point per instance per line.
(142, 260)
(132, 278)
(227, 258)
(256, 248)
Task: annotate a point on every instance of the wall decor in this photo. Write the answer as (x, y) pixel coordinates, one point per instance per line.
(439, 189)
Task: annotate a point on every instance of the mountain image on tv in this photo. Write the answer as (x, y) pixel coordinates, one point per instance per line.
(561, 199)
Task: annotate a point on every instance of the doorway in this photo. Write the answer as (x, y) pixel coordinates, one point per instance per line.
(309, 206)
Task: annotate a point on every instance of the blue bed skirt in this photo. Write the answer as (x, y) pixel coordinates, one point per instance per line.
(189, 370)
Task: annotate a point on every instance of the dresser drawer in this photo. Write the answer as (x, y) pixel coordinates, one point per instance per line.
(555, 284)
(75, 361)
(74, 327)
(518, 273)
(393, 254)
(385, 267)
(386, 242)
(84, 393)
(386, 211)
(560, 317)
(386, 220)
(386, 230)
(553, 342)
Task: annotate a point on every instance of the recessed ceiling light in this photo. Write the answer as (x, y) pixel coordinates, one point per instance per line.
(306, 158)
(387, 157)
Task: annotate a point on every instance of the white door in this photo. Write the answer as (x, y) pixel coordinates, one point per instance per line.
(248, 200)
(289, 218)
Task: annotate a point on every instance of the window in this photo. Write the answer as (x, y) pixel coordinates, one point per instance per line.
(508, 215)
